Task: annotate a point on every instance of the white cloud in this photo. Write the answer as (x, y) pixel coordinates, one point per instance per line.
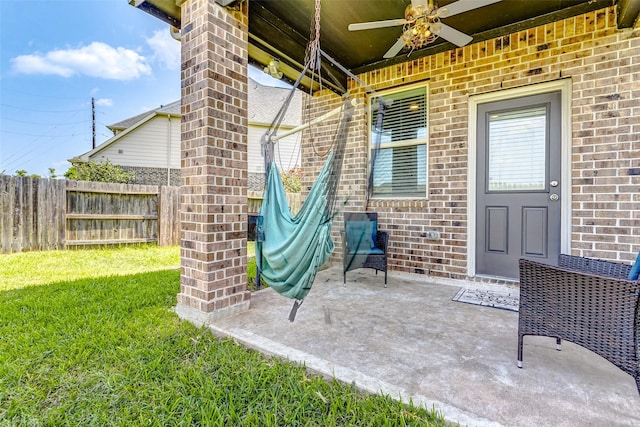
(32, 64)
(104, 102)
(95, 60)
(165, 49)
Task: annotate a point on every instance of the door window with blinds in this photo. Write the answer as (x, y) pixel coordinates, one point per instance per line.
(518, 144)
(400, 163)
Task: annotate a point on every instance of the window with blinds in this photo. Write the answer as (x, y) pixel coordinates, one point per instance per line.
(400, 164)
(517, 150)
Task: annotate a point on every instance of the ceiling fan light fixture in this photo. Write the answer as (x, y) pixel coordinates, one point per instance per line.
(422, 25)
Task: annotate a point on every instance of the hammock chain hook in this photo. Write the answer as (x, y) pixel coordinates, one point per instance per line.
(314, 45)
(313, 57)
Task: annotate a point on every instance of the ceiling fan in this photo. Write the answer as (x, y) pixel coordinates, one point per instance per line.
(421, 24)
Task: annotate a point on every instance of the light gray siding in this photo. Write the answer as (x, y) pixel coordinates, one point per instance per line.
(287, 151)
(155, 144)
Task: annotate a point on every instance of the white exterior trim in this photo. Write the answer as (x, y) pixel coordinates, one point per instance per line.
(564, 86)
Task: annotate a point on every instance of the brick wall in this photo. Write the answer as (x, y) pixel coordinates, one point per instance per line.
(213, 161)
(153, 176)
(604, 66)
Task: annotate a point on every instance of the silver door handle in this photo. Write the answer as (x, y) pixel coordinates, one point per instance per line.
(554, 197)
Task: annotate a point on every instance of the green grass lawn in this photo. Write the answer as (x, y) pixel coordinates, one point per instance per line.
(96, 344)
(38, 268)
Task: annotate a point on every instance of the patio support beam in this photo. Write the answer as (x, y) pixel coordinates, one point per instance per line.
(213, 281)
(628, 13)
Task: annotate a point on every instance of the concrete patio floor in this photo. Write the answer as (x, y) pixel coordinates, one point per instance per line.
(412, 341)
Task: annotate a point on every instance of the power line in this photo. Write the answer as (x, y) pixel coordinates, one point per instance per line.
(18, 161)
(46, 124)
(38, 95)
(40, 136)
(41, 111)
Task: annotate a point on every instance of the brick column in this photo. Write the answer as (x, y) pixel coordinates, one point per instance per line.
(213, 280)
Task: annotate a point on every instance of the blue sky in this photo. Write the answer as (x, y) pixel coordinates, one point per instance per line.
(56, 55)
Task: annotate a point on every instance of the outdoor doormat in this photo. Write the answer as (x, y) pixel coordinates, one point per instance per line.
(489, 298)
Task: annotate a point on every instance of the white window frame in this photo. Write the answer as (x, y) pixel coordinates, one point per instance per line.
(407, 143)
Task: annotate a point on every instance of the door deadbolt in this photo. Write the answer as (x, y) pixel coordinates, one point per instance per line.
(554, 183)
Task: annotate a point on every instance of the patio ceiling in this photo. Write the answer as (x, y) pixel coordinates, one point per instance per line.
(280, 29)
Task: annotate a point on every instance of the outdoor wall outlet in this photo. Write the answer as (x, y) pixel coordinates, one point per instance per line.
(433, 235)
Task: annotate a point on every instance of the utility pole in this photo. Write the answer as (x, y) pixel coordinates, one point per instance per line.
(93, 120)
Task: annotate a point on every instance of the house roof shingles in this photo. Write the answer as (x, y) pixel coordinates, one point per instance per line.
(169, 109)
(265, 102)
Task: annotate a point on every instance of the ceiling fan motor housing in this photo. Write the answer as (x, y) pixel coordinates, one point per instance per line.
(411, 12)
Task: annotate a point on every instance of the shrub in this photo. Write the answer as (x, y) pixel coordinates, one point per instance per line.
(100, 172)
(292, 180)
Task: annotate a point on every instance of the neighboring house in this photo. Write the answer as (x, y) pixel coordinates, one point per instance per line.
(149, 143)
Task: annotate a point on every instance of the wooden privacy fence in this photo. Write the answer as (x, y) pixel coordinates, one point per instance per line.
(32, 214)
(44, 214)
(103, 213)
(294, 200)
(47, 214)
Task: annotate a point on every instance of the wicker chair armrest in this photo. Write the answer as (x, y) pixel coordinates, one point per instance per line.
(576, 274)
(594, 266)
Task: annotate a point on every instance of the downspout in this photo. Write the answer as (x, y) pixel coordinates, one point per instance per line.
(169, 152)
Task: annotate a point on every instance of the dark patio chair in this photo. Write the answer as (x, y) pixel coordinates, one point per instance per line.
(589, 302)
(363, 245)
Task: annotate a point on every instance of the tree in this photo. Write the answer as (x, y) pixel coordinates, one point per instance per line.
(23, 173)
(52, 173)
(100, 172)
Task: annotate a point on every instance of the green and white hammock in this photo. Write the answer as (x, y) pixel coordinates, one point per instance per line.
(293, 248)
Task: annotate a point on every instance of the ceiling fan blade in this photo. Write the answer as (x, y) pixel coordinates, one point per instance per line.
(376, 24)
(395, 49)
(454, 36)
(462, 6)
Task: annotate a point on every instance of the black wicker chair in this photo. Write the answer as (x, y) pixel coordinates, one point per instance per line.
(363, 245)
(586, 301)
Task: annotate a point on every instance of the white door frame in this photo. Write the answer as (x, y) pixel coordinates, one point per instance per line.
(564, 86)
